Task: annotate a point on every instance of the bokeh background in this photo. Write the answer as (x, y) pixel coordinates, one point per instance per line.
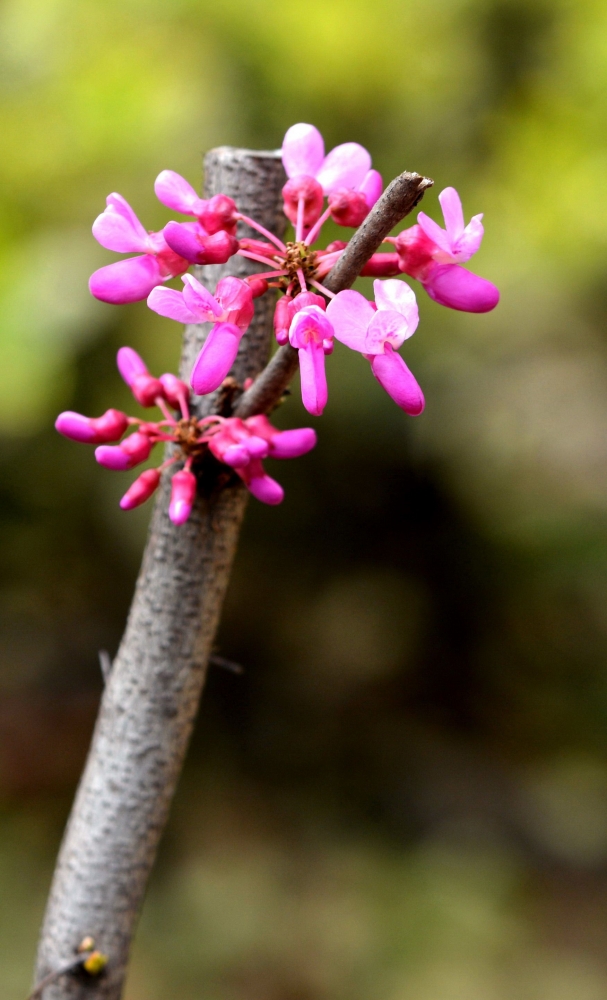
(404, 796)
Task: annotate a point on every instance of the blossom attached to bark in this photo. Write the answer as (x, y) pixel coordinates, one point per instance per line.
(239, 444)
(433, 255)
(209, 240)
(230, 310)
(344, 176)
(130, 280)
(242, 444)
(377, 331)
(312, 334)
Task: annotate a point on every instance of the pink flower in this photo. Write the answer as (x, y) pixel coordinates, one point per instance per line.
(145, 388)
(141, 490)
(191, 241)
(129, 453)
(216, 214)
(286, 308)
(312, 334)
(119, 229)
(432, 255)
(242, 444)
(377, 331)
(183, 492)
(92, 430)
(230, 309)
(344, 175)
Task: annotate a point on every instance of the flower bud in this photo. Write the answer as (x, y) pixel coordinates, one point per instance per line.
(174, 390)
(219, 214)
(190, 241)
(92, 430)
(131, 452)
(291, 444)
(283, 314)
(457, 288)
(382, 265)
(308, 189)
(183, 492)
(348, 208)
(258, 286)
(141, 490)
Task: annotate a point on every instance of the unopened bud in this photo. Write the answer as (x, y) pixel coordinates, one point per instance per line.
(141, 490)
(348, 208)
(308, 189)
(219, 213)
(183, 492)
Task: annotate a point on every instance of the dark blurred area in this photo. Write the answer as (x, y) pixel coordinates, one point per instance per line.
(404, 794)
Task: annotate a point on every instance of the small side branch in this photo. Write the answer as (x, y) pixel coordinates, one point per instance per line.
(400, 197)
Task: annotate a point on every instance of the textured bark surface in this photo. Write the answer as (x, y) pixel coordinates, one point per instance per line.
(152, 696)
(400, 197)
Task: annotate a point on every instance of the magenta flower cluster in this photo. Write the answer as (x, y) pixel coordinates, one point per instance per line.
(307, 315)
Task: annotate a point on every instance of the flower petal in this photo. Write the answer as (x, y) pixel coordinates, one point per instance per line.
(434, 232)
(350, 314)
(393, 375)
(453, 213)
(387, 327)
(130, 365)
(171, 303)
(216, 358)
(457, 288)
(310, 325)
(119, 229)
(127, 280)
(372, 186)
(174, 191)
(400, 297)
(344, 167)
(314, 391)
(199, 299)
(303, 150)
(236, 301)
(292, 444)
(470, 240)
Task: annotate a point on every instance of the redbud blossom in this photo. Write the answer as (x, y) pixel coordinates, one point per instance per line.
(129, 453)
(130, 280)
(311, 333)
(145, 388)
(377, 332)
(92, 430)
(432, 255)
(183, 492)
(141, 490)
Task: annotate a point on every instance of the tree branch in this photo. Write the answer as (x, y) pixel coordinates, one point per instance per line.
(153, 690)
(400, 197)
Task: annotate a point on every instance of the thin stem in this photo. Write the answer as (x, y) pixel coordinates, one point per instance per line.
(269, 274)
(315, 230)
(321, 288)
(160, 403)
(255, 256)
(183, 403)
(302, 280)
(300, 220)
(264, 232)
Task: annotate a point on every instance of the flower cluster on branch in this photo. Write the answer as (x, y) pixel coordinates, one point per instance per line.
(308, 315)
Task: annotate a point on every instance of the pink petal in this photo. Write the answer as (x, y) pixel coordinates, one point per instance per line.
(236, 301)
(314, 392)
(76, 427)
(350, 314)
(291, 444)
(344, 167)
(262, 486)
(303, 150)
(127, 280)
(141, 490)
(114, 458)
(183, 493)
(216, 358)
(130, 365)
(381, 265)
(174, 191)
(199, 300)
(386, 327)
(470, 240)
(131, 452)
(310, 325)
(393, 375)
(257, 447)
(236, 455)
(433, 231)
(457, 288)
(110, 426)
(306, 188)
(372, 187)
(119, 229)
(453, 214)
(171, 303)
(400, 297)
(175, 391)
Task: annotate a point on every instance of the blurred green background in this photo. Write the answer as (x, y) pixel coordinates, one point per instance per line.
(404, 797)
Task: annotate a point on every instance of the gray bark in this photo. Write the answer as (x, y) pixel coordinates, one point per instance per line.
(152, 695)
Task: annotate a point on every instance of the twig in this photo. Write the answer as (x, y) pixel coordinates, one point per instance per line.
(400, 197)
(105, 662)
